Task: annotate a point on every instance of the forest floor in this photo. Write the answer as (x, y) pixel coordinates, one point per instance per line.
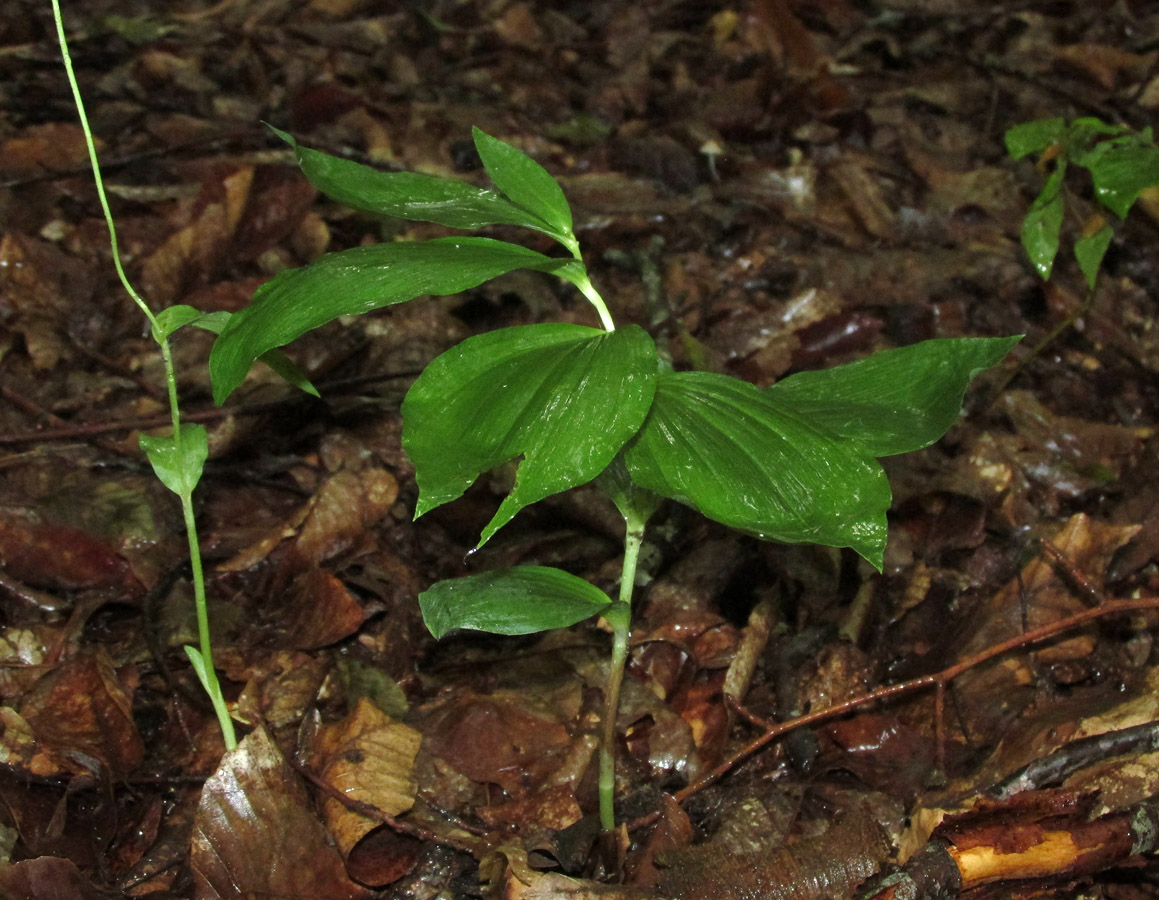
(766, 187)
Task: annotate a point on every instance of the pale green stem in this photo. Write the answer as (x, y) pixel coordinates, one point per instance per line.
(620, 618)
(209, 677)
(210, 681)
(589, 290)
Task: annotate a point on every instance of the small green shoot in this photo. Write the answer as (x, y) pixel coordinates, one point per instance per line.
(178, 459)
(1122, 164)
(574, 405)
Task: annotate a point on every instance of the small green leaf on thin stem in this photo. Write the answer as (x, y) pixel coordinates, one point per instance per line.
(521, 600)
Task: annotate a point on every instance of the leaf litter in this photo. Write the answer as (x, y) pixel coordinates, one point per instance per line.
(768, 187)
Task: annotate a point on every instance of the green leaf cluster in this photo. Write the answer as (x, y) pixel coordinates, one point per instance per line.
(1122, 163)
(570, 404)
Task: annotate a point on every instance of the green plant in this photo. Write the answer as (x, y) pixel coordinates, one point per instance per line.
(796, 462)
(1122, 164)
(179, 459)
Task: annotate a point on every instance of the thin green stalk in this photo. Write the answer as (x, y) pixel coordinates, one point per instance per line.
(206, 672)
(589, 290)
(620, 618)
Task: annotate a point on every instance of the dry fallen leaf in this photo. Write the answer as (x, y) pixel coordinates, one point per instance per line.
(256, 833)
(368, 757)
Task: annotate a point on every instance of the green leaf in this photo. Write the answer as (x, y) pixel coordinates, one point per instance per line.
(1090, 250)
(743, 457)
(894, 401)
(1083, 134)
(564, 397)
(1043, 224)
(213, 322)
(178, 463)
(409, 195)
(527, 183)
(282, 365)
(1122, 173)
(1034, 137)
(358, 281)
(522, 600)
(173, 317)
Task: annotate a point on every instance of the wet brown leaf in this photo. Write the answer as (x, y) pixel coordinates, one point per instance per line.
(256, 833)
(82, 716)
(199, 248)
(61, 558)
(369, 758)
(46, 878)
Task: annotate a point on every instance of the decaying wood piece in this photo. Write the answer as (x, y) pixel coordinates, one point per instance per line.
(991, 844)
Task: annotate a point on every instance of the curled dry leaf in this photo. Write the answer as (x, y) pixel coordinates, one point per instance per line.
(367, 757)
(256, 832)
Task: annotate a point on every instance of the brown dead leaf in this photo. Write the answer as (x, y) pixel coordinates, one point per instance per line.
(201, 246)
(51, 147)
(347, 504)
(56, 557)
(1102, 63)
(43, 287)
(282, 688)
(82, 714)
(46, 878)
(319, 610)
(369, 758)
(18, 747)
(331, 521)
(256, 833)
(492, 741)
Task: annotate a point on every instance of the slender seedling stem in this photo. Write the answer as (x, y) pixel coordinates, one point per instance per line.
(620, 618)
(208, 676)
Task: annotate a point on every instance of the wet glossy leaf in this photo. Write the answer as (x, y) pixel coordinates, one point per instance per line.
(409, 195)
(522, 600)
(896, 400)
(527, 183)
(1122, 172)
(358, 281)
(1034, 137)
(178, 462)
(743, 457)
(173, 317)
(283, 366)
(1090, 249)
(563, 397)
(257, 834)
(1041, 227)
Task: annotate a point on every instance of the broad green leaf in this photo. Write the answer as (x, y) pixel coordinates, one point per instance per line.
(1083, 134)
(527, 183)
(743, 457)
(409, 195)
(523, 600)
(1123, 172)
(173, 317)
(282, 365)
(894, 401)
(1042, 225)
(358, 281)
(1034, 137)
(1090, 250)
(563, 397)
(178, 463)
